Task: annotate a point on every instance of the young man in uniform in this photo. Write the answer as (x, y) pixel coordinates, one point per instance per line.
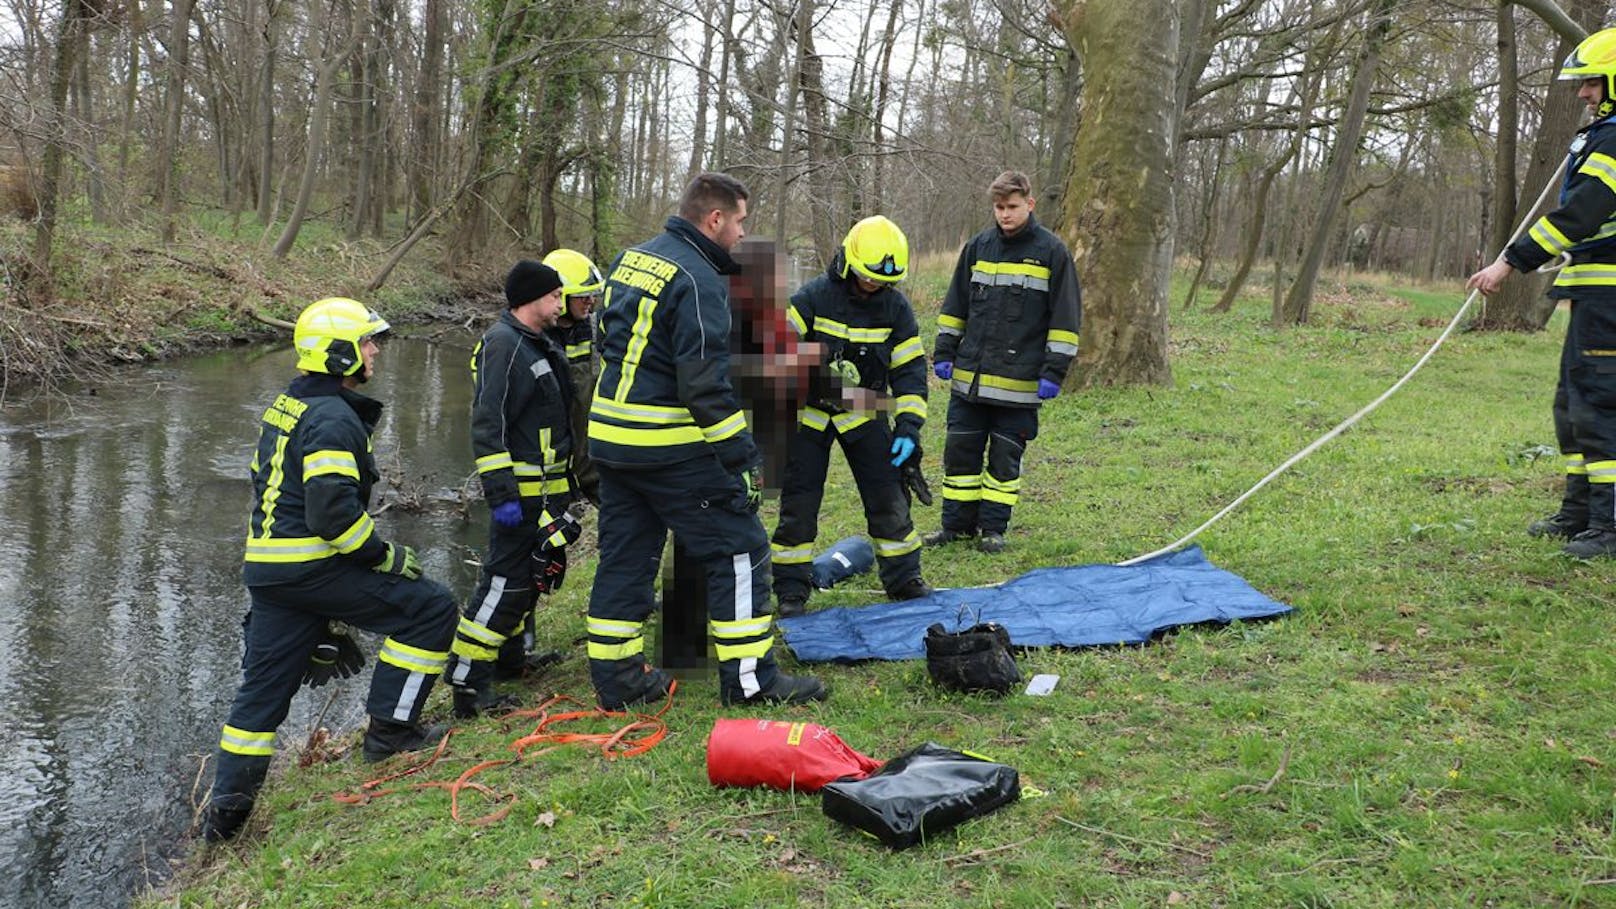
(522, 438)
(1582, 231)
(314, 557)
(872, 347)
(575, 331)
(1006, 336)
(673, 451)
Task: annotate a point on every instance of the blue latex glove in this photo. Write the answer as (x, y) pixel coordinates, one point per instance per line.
(1047, 389)
(508, 514)
(944, 369)
(902, 448)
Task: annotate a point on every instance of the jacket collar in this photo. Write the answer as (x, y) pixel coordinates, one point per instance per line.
(509, 318)
(1027, 230)
(717, 255)
(319, 385)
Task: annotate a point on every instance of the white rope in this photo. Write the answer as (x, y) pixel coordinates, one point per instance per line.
(1369, 408)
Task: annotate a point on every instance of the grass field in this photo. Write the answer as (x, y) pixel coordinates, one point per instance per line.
(1432, 727)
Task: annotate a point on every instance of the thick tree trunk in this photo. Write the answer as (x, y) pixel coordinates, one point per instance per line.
(1299, 300)
(1509, 122)
(428, 89)
(266, 113)
(704, 90)
(179, 43)
(69, 41)
(314, 149)
(1122, 235)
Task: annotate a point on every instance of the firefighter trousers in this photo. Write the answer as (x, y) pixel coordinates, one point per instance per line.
(976, 499)
(868, 449)
(1585, 409)
(490, 629)
(282, 627)
(705, 508)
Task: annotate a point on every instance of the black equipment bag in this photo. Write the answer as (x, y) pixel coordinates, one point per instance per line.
(976, 659)
(921, 794)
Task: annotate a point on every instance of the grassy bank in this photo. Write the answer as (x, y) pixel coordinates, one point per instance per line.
(1432, 727)
(121, 296)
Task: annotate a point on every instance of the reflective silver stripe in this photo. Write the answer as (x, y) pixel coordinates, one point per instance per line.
(1061, 347)
(948, 330)
(1010, 280)
(541, 368)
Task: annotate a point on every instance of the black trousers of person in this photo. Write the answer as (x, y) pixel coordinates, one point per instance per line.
(1585, 408)
(975, 499)
(282, 627)
(502, 602)
(868, 449)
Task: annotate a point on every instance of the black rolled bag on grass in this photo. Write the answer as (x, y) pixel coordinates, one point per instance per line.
(920, 794)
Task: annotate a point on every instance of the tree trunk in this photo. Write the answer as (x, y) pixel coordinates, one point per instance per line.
(1122, 236)
(704, 89)
(429, 88)
(1509, 122)
(1298, 302)
(314, 148)
(95, 178)
(266, 114)
(1209, 204)
(179, 43)
(69, 41)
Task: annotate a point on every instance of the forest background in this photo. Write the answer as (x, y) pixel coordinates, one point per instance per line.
(175, 169)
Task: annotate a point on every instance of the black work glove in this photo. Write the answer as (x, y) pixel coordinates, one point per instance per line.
(560, 532)
(549, 569)
(337, 655)
(913, 478)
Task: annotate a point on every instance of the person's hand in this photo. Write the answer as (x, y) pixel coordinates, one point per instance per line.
(1490, 279)
(508, 514)
(902, 448)
(944, 369)
(337, 655)
(847, 370)
(753, 481)
(400, 560)
(1047, 389)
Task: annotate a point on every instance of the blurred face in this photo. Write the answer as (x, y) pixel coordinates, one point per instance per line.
(368, 350)
(1011, 212)
(865, 285)
(1592, 92)
(547, 309)
(727, 228)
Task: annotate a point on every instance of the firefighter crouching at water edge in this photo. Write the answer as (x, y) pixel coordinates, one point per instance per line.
(872, 344)
(1006, 336)
(674, 453)
(575, 332)
(522, 440)
(314, 555)
(1582, 229)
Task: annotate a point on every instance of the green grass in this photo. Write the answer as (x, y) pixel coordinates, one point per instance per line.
(1439, 702)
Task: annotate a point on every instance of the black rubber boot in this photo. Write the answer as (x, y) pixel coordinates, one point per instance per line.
(470, 703)
(222, 824)
(637, 683)
(912, 589)
(1572, 518)
(787, 606)
(944, 536)
(785, 689)
(991, 543)
(1593, 543)
(386, 738)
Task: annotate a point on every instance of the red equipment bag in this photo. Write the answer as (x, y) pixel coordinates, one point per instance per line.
(799, 756)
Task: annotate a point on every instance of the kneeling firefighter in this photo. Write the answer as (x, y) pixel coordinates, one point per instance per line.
(313, 555)
(872, 345)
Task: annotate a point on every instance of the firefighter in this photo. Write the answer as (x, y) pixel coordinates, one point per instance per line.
(1006, 336)
(314, 555)
(521, 436)
(872, 346)
(674, 452)
(575, 332)
(1582, 233)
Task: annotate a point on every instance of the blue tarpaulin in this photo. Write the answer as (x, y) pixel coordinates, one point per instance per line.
(1078, 606)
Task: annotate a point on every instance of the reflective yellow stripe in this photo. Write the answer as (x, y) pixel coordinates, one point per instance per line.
(950, 324)
(1574, 465)
(1602, 167)
(1010, 274)
(906, 351)
(253, 744)
(740, 628)
(726, 428)
(912, 404)
(600, 651)
(319, 463)
(499, 460)
(847, 422)
(578, 351)
(288, 549)
(1602, 471)
(1002, 491)
(962, 488)
(835, 329)
(480, 633)
(814, 418)
(644, 438)
(272, 486)
(1594, 274)
(641, 413)
(795, 319)
(1549, 237)
(533, 489)
(355, 536)
(891, 548)
(800, 554)
(412, 659)
(754, 650)
(997, 388)
(1061, 342)
(614, 628)
(638, 338)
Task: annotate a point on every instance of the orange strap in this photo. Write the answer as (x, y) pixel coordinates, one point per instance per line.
(642, 733)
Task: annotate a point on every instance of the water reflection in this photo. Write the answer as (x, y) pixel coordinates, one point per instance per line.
(121, 519)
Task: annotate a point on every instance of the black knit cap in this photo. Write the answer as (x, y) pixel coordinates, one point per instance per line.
(528, 281)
